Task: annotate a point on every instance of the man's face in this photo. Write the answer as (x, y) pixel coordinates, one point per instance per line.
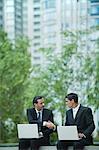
(69, 103)
(40, 105)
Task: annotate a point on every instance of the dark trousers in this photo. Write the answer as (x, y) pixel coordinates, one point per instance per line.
(24, 144)
(33, 144)
(77, 145)
(36, 143)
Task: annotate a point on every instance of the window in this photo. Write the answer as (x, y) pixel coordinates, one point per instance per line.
(50, 4)
(36, 9)
(36, 23)
(36, 1)
(9, 2)
(36, 16)
(95, 22)
(37, 30)
(93, 1)
(95, 10)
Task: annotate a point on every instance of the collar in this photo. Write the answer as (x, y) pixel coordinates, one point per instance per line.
(38, 111)
(76, 108)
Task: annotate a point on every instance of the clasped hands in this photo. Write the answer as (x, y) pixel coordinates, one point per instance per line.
(49, 124)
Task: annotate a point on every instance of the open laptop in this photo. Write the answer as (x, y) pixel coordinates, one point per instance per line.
(27, 131)
(67, 133)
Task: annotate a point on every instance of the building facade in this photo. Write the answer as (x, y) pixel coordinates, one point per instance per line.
(1, 13)
(13, 22)
(94, 12)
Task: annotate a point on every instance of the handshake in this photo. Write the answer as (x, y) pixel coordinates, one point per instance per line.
(49, 125)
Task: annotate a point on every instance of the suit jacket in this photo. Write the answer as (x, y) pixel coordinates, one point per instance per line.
(46, 115)
(83, 120)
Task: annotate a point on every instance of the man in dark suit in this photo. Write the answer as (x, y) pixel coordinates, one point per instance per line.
(81, 117)
(42, 116)
(44, 119)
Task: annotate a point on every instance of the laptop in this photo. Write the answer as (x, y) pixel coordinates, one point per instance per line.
(67, 133)
(27, 131)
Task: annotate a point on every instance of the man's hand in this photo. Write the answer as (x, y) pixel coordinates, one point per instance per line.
(49, 124)
(81, 135)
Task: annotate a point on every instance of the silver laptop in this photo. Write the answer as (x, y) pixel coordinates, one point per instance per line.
(67, 133)
(27, 131)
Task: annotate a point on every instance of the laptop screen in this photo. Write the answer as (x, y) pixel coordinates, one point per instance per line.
(27, 131)
(67, 133)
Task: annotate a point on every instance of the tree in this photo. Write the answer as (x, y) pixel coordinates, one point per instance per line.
(66, 71)
(54, 77)
(15, 67)
(92, 77)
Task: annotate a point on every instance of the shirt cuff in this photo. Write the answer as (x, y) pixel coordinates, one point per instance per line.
(44, 123)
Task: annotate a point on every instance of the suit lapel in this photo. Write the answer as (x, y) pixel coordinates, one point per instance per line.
(79, 112)
(34, 114)
(71, 116)
(43, 114)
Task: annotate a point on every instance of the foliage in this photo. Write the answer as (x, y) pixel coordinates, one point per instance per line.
(14, 79)
(54, 78)
(72, 69)
(92, 69)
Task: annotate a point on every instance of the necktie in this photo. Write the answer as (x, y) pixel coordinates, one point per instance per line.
(39, 121)
(39, 117)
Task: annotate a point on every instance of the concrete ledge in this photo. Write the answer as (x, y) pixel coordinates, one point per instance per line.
(14, 146)
(9, 144)
(92, 147)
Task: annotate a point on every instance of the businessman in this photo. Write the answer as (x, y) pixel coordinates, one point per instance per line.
(81, 117)
(42, 117)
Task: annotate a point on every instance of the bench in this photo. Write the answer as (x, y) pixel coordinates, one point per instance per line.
(14, 146)
(91, 147)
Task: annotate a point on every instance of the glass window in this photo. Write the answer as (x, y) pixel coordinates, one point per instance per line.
(93, 1)
(49, 16)
(10, 9)
(50, 29)
(83, 1)
(36, 23)
(36, 1)
(36, 8)
(10, 15)
(68, 1)
(36, 16)
(36, 30)
(49, 4)
(36, 37)
(95, 22)
(36, 44)
(9, 2)
(10, 22)
(95, 10)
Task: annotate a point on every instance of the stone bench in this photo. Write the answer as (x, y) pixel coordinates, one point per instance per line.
(15, 147)
(91, 147)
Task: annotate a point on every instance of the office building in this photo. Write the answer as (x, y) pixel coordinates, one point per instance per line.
(12, 15)
(94, 12)
(1, 13)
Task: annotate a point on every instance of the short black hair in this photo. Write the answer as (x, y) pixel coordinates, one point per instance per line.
(36, 98)
(71, 96)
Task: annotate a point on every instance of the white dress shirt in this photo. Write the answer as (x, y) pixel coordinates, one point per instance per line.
(38, 114)
(75, 110)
